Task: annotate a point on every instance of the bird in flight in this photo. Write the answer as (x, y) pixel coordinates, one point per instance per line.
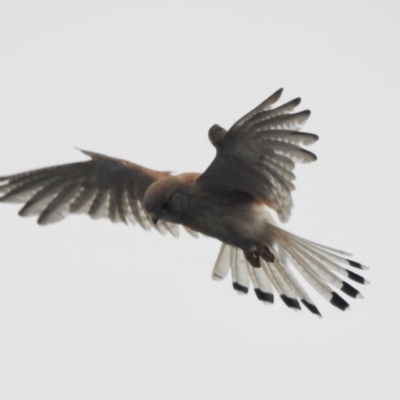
(234, 201)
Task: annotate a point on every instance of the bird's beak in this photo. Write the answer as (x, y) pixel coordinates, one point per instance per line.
(154, 218)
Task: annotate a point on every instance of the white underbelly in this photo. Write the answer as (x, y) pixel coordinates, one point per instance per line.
(239, 227)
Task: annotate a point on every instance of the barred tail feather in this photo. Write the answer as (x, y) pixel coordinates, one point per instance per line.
(320, 266)
(262, 284)
(232, 259)
(222, 264)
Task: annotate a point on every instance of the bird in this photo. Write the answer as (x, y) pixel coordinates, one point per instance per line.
(237, 200)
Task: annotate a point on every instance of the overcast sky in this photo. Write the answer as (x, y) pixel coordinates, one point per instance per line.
(92, 310)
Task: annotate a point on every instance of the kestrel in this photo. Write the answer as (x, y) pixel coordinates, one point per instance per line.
(234, 200)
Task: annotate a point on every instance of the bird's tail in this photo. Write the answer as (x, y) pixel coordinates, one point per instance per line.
(322, 267)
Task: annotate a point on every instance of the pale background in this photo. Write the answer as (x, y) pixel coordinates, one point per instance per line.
(91, 310)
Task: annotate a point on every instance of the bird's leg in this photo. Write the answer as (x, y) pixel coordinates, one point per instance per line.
(252, 257)
(265, 253)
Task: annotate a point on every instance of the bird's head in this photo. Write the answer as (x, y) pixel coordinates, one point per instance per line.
(167, 199)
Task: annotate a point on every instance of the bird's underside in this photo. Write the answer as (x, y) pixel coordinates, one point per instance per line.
(252, 170)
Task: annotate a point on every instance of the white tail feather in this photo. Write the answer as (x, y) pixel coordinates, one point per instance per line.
(317, 264)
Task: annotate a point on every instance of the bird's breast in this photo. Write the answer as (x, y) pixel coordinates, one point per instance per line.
(232, 220)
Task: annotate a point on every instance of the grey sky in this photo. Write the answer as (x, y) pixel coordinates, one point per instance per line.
(91, 310)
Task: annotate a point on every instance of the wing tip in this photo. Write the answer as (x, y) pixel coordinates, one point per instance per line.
(275, 96)
(91, 154)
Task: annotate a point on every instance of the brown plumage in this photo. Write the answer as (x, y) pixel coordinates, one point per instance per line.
(233, 201)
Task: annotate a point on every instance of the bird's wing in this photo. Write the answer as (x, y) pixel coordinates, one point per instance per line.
(103, 187)
(258, 153)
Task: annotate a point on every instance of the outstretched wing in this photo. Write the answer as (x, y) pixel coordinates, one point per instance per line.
(103, 187)
(258, 154)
